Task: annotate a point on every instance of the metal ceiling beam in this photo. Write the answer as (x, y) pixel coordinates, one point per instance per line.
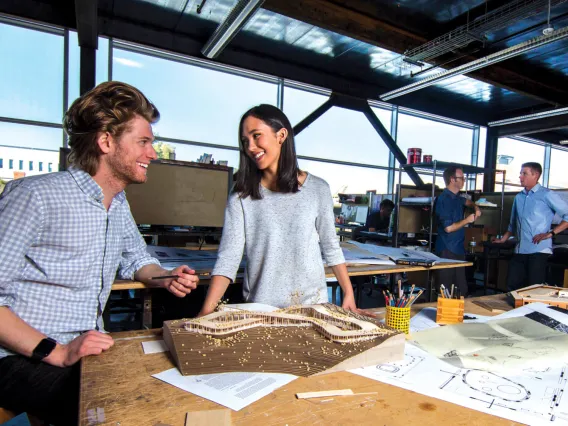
(493, 58)
(361, 26)
(86, 14)
(87, 23)
(230, 26)
(532, 126)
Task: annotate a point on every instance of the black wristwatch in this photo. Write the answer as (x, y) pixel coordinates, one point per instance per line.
(552, 232)
(43, 349)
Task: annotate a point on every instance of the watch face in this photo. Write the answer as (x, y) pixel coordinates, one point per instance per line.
(43, 349)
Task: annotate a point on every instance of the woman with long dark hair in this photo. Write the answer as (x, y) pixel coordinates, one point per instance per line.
(279, 216)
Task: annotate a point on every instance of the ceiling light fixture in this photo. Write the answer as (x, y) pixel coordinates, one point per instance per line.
(564, 142)
(231, 25)
(502, 55)
(529, 117)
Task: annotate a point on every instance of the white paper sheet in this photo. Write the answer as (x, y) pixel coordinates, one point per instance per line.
(509, 344)
(426, 319)
(535, 397)
(423, 320)
(400, 253)
(232, 390)
(154, 347)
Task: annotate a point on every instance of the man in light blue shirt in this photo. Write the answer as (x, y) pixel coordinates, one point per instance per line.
(531, 220)
(63, 239)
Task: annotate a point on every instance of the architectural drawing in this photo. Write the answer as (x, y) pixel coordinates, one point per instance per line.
(300, 340)
(533, 396)
(499, 345)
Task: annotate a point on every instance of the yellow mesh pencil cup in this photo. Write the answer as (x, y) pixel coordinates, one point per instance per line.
(398, 318)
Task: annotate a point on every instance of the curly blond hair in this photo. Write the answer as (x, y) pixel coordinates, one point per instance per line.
(109, 107)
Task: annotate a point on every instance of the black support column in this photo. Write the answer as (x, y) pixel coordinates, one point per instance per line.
(86, 13)
(490, 159)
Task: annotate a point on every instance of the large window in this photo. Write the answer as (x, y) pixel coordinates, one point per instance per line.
(343, 135)
(31, 75)
(511, 154)
(347, 179)
(558, 177)
(195, 103)
(298, 104)
(444, 142)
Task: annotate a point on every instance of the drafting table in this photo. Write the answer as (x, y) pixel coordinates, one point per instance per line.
(207, 267)
(119, 383)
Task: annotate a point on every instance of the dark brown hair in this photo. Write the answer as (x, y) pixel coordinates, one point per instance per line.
(109, 107)
(248, 177)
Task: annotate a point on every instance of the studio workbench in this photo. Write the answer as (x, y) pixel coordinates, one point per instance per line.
(205, 271)
(117, 389)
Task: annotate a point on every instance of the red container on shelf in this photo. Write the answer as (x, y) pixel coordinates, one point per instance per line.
(414, 155)
(427, 158)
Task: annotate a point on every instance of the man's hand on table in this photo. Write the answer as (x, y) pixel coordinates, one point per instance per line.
(90, 343)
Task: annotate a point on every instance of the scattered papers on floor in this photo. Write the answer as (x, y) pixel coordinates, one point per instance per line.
(232, 390)
(535, 396)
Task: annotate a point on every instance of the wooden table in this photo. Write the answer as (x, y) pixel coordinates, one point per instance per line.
(352, 270)
(120, 383)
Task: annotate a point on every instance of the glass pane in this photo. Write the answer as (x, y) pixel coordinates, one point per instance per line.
(426, 179)
(444, 142)
(348, 179)
(344, 135)
(558, 177)
(185, 152)
(24, 136)
(196, 104)
(75, 60)
(384, 116)
(29, 145)
(511, 154)
(298, 104)
(31, 75)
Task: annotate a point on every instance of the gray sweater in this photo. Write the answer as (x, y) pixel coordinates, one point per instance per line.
(281, 235)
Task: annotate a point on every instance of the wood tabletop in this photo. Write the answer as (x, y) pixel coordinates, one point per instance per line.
(118, 387)
(353, 271)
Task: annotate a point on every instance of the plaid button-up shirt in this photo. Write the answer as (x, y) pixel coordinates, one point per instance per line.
(60, 251)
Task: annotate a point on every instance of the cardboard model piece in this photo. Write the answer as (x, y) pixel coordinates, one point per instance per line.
(301, 340)
(554, 296)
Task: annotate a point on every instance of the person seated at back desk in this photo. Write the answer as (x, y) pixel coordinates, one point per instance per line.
(378, 221)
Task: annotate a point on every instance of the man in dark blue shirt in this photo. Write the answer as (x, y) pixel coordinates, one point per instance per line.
(449, 211)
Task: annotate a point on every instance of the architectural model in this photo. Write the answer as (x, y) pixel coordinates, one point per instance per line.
(300, 340)
(554, 296)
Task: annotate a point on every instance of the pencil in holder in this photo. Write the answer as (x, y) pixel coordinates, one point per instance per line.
(449, 311)
(398, 318)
